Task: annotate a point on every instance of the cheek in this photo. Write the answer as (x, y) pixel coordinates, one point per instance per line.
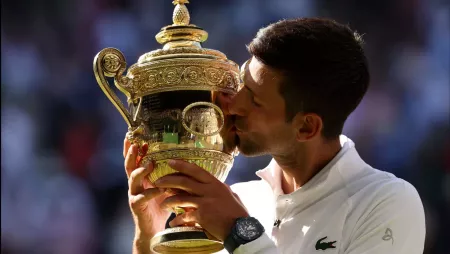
(262, 122)
(275, 128)
(278, 137)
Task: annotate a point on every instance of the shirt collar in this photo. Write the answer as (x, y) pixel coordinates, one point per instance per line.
(272, 174)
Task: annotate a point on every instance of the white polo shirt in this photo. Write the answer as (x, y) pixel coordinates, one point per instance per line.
(348, 207)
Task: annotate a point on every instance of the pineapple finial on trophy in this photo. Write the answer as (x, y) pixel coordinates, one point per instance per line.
(181, 33)
(180, 13)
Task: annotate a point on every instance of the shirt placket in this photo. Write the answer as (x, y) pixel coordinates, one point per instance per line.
(283, 207)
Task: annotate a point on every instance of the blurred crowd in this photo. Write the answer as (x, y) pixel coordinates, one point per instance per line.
(64, 190)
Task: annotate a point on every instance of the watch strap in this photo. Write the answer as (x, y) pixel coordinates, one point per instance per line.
(231, 242)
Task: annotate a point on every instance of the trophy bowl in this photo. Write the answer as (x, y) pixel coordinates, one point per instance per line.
(174, 108)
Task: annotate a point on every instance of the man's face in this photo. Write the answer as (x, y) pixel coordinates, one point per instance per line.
(228, 131)
(259, 112)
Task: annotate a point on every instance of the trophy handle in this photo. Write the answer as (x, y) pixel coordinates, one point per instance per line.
(110, 62)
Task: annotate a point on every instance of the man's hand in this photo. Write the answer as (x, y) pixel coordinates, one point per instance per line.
(216, 206)
(144, 199)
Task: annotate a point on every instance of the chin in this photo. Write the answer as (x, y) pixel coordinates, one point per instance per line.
(250, 154)
(229, 143)
(250, 149)
(253, 154)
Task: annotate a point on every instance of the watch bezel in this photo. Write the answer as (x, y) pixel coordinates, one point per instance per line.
(259, 228)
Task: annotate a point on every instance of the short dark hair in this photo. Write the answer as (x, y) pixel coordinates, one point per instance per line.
(323, 66)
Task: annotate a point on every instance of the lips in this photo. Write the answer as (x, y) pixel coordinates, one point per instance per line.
(239, 130)
(238, 127)
(236, 124)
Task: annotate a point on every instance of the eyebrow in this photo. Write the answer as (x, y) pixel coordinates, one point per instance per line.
(248, 88)
(242, 74)
(242, 70)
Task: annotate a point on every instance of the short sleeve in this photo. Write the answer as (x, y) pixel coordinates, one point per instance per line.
(395, 225)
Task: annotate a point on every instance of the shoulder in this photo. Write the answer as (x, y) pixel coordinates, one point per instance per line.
(379, 187)
(394, 195)
(383, 204)
(368, 187)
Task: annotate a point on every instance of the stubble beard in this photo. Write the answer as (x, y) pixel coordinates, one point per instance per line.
(250, 148)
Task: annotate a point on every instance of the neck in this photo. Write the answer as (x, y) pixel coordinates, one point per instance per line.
(304, 163)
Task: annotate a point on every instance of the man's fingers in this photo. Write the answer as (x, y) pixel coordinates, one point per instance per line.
(237, 197)
(130, 159)
(181, 200)
(126, 146)
(185, 218)
(144, 148)
(135, 181)
(192, 170)
(147, 195)
(142, 151)
(181, 182)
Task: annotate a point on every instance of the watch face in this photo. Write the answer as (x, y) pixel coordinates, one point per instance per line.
(248, 229)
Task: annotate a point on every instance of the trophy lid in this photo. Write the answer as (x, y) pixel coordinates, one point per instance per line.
(182, 63)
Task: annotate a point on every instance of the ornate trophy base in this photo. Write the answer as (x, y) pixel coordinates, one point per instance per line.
(185, 240)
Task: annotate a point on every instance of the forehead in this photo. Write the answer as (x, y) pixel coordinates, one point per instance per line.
(258, 76)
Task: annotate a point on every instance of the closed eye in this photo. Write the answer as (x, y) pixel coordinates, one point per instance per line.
(250, 93)
(255, 103)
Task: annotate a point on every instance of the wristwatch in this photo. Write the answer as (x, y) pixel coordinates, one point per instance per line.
(245, 230)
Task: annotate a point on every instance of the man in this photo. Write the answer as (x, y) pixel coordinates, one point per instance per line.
(317, 195)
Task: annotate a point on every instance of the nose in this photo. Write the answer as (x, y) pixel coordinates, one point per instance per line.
(237, 104)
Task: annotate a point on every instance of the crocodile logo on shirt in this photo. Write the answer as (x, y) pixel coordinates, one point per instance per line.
(277, 223)
(324, 245)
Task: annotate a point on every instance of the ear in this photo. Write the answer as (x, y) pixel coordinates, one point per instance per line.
(307, 126)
